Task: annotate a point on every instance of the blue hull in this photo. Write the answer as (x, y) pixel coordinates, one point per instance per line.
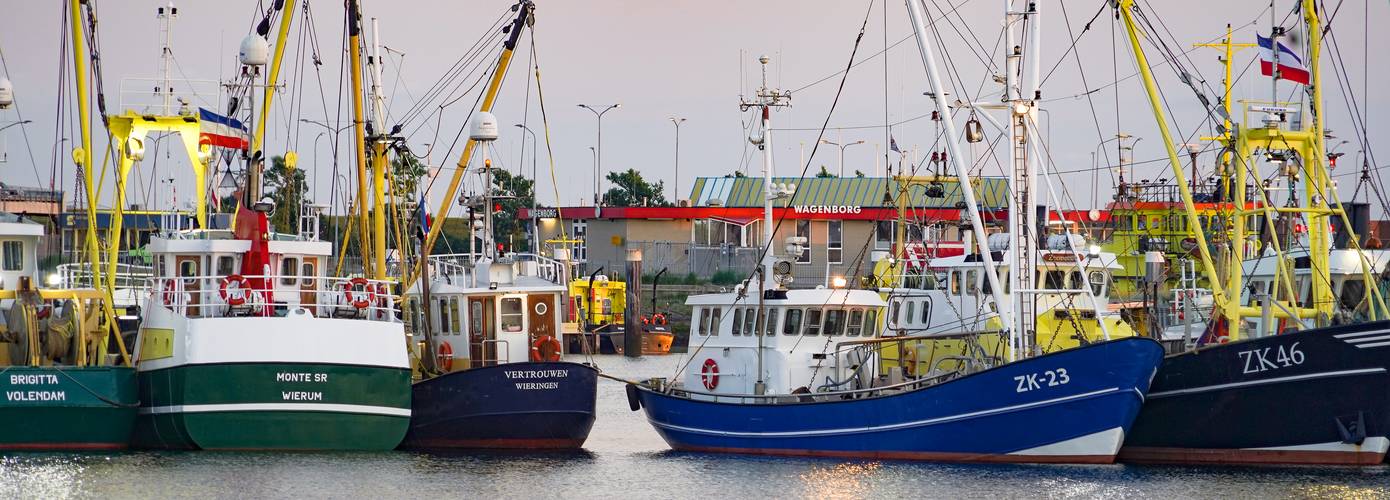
(509, 406)
(1020, 412)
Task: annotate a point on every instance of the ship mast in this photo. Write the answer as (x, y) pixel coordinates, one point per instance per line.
(764, 99)
(359, 132)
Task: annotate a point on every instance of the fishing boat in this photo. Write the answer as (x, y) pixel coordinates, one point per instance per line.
(246, 341)
(495, 375)
(795, 372)
(67, 380)
(1318, 395)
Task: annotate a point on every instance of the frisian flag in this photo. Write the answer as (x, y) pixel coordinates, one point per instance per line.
(221, 131)
(1291, 66)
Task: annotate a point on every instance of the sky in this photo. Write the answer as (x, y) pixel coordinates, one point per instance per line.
(690, 59)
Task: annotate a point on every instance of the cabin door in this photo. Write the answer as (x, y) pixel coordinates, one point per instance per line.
(308, 284)
(481, 350)
(540, 310)
(188, 268)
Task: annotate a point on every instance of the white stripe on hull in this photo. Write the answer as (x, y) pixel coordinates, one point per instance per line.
(1278, 380)
(323, 407)
(1360, 334)
(1377, 444)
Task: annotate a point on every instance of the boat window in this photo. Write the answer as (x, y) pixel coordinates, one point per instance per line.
(813, 322)
(714, 315)
(772, 313)
(871, 322)
(14, 256)
(1054, 280)
(909, 316)
(856, 323)
(750, 318)
(188, 268)
(475, 318)
(288, 267)
(738, 321)
(455, 313)
(926, 313)
(1353, 292)
(443, 306)
(792, 325)
(699, 318)
(972, 282)
(307, 273)
(893, 310)
(226, 265)
(511, 314)
(955, 282)
(834, 321)
(1075, 280)
(1098, 280)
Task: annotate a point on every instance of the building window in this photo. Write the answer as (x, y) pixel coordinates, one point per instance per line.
(803, 230)
(834, 242)
(580, 230)
(512, 313)
(14, 255)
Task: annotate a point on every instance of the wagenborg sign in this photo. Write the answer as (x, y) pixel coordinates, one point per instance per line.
(546, 213)
(826, 209)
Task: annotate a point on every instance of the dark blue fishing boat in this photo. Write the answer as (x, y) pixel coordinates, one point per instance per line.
(516, 405)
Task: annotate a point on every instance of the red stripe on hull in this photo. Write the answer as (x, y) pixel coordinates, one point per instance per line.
(1154, 455)
(497, 444)
(63, 446)
(914, 455)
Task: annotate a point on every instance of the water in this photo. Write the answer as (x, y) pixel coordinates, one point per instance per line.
(624, 458)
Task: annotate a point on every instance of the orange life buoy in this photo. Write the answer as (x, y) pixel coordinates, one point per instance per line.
(659, 319)
(538, 355)
(709, 374)
(357, 300)
(239, 296)
(444, 356)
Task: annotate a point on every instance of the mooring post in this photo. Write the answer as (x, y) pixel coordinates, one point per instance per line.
(632, 315)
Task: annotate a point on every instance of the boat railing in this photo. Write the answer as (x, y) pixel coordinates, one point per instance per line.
(460, 264)
(503, 350)
(810, 397)
(128, 276)
(278, 295)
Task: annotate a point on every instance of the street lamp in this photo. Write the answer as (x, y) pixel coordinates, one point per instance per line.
(598, 155)
(31, 121)
(676, 185)
(842, 152)
(535, 181)
(336, 131)
(594, 154)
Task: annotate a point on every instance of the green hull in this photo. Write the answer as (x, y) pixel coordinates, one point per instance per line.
(67, 407)
(273, 406)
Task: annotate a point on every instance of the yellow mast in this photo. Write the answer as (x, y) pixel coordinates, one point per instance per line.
(379, 163)
(359, 131)
(523, 18)
(273, 77)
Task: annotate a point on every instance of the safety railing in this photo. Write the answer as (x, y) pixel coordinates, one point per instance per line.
(461, 264)
(79, 275)
(278, 295)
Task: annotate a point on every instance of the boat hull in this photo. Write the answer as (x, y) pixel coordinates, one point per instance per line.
(1313, 397)
(67, 408)
(273, 406)
(509, 406)
(1073, 406)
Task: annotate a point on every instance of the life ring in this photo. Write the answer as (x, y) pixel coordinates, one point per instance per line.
(358, 300)
(659, 319)
(169, 293)
(538, 356)
(709, 374)
(382, 301)
(444, 356)
(239, 296)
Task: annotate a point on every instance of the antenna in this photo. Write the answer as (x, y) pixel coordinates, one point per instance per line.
(166, 15)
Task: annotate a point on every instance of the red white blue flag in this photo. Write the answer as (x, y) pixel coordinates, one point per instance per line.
(222, 131)
(1291, 66)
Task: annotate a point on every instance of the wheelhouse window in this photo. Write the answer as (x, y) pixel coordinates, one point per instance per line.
(512, 314)
(870, 322)
(893, 310)
(455, 320)
(792, 325)
(738, 321)
(750, 320)
(289, 266)
(1054, 280)
(698, 318)
(908, 317)
(226, 265)
(1098, 282)
(834, 322)
(926, 313)
(444, 315)
(813, 317)
(14, 256)
(307, 274)
(188, 268)
(714, 315)
(769, 327)
(856, 323)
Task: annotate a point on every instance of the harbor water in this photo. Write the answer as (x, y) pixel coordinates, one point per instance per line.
(625, 458)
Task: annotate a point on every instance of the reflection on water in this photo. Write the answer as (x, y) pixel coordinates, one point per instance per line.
(625, 458)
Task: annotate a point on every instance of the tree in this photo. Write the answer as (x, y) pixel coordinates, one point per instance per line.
(631, 190)
(286, 187)
(406, 172)
(858, 174)
(824, 173)
(513, 192)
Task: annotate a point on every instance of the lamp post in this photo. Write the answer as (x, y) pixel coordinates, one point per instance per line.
(598, 155)
(676, 184)
(5, 156)
(593, 153)
(842, 147)
(535, 180)
(336, 131)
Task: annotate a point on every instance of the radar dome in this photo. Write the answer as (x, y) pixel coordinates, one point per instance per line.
(255, 51)
(6, 93)
(484, 127)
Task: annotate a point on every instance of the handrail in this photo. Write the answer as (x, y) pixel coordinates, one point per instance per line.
(335, 297)
(816, 395)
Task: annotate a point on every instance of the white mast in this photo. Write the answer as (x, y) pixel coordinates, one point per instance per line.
(378, 98)
(766, 99)
(1023, 217)
(962, 172)
(167, 15)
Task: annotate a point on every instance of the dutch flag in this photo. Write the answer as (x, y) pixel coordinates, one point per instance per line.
(1291, 66)
(221, 131)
